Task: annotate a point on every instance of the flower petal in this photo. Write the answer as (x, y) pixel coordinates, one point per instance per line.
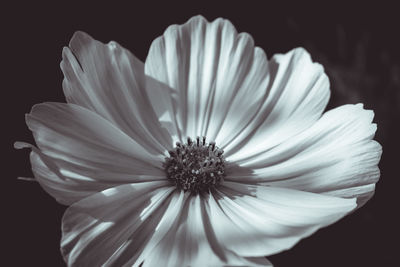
(109, 80)
(219, 77)
(191, 242)
(112, 227)
(335, 156)
(255, 220)
(82, 152)
(298, 92)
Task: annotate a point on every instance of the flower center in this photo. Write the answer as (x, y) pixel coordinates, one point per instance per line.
(196, 166)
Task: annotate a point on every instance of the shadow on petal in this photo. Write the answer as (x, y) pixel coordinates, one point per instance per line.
(109, 226)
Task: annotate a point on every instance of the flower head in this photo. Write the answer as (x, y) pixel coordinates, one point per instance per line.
(207, 154)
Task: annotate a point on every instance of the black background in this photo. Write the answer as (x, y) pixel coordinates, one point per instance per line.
(357, 44)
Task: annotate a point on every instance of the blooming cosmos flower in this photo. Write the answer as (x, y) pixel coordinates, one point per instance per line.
(207, 154)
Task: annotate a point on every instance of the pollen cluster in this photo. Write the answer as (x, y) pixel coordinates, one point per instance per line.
(196, 166)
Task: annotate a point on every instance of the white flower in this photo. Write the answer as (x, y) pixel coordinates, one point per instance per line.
(286, 170)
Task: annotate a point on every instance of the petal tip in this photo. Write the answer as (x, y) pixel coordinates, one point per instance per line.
(79, 42)
(79, 35)
(198, 18)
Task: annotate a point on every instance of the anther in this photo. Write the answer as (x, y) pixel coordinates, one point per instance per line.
(189, 140)
(212, 145)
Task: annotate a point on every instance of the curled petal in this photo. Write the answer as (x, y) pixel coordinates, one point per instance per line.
(109, 80)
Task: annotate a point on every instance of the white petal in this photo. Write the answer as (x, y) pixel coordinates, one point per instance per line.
(191, 242)
(298, 91)
(82, 152)
(363, 193)
(336, 154)
(219, 77)
(109, 80)
(260, 220)
(161, 230)
(112, 227)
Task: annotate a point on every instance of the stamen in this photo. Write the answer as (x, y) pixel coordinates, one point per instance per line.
(189, 141)
(195, 167)
(212, 144)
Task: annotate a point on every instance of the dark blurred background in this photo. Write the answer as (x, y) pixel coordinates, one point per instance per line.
(358, 45)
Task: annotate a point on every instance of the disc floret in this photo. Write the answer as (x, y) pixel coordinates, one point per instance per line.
(196, 166)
